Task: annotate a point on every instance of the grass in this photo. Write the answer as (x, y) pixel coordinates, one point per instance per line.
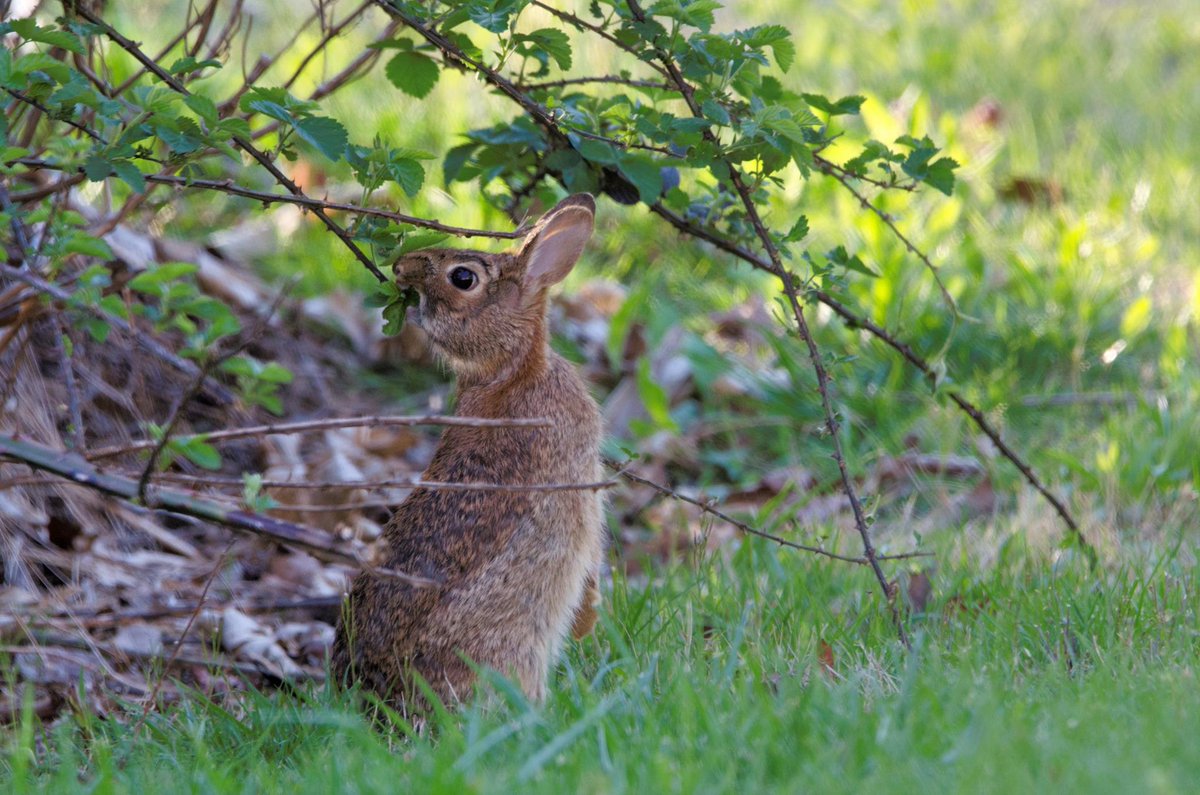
(1029, 672)
(1024, 678)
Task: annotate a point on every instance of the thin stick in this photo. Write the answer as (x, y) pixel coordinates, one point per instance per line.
(707, 507)
(228, 186)
(400, 483)
(305, 426)
(814, 353)
(75, 469)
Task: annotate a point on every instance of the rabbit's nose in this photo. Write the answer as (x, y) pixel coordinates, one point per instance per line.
(409, 271)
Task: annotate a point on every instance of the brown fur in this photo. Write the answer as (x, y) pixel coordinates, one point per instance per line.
(518, 569)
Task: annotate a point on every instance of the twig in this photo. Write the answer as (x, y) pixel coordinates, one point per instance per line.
(814, 354)
(77, 470)
(844, 181)
(227, 186)
(829, 167)
(104, 617)
(304, 426)
(577, 81)
(64, 347)
(395, 483)
(330, 35)
(707, 507)
(583, 24)
(218, 481)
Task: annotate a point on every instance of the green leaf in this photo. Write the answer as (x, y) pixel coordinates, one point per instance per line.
(412, 73)
(645, 174)
(714, 111)
(190, 64)
(97, 167)
(843, 107)
(198, 451)
(798, 232)
(325, 135)
(203, 107)
(778, 38)
(130, 175)
(940, 174)
(275, 373)
(492, 15)
(455, 160)
(29, 30)
(553, 42)
(415, 241)
(654, 397)
(408, 174)
(81, 243)
(151, 281)
(838, 256)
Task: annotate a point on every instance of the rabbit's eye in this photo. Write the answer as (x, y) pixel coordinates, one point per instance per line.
(463, 278)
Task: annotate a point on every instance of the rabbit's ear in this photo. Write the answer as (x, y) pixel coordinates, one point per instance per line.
(556, 243)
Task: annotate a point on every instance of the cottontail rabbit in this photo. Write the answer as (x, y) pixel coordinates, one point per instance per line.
(516, 568)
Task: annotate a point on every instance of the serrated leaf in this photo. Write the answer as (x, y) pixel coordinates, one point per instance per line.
(130, 174)
(29, 29)
(455, 159)
(940, 174)
(798, 232)
(202, 106)
(325, 135)
(413, 73)
(97, 167)
(554, 42)
(714, 111)
(408, 174)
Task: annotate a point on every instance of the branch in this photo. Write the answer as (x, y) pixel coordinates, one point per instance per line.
(77, 470)
(745, 528)
(327, 424)
(317, 205)
(577, 81)
(395, 483)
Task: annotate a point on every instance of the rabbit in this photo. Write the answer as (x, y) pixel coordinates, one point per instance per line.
(516, 570)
